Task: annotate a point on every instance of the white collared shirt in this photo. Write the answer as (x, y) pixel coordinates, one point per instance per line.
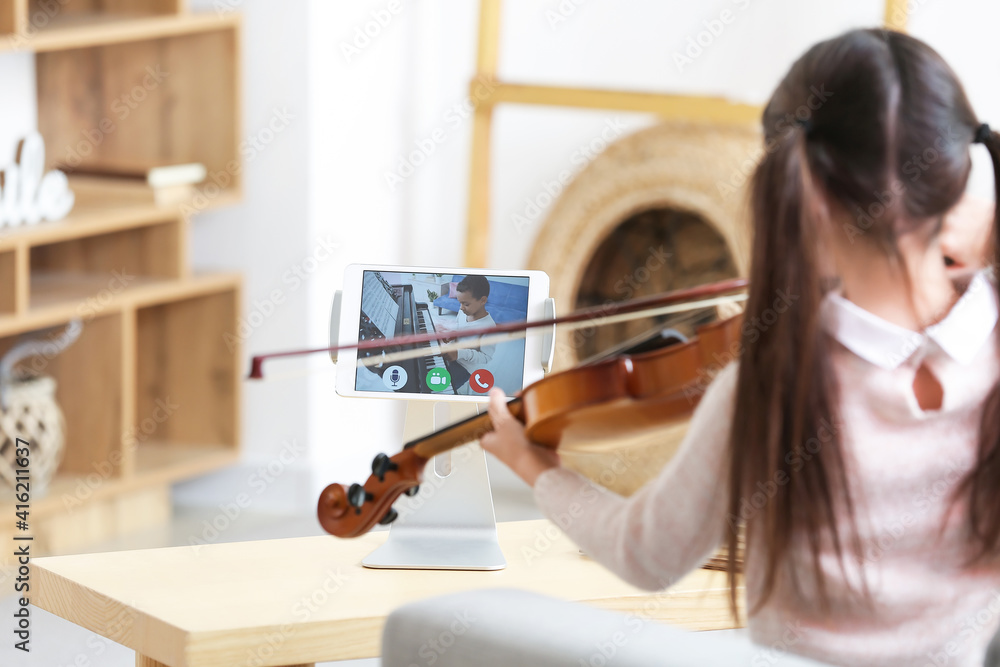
(960, 335)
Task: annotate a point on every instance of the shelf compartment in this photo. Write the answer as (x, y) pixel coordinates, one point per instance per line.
(89, 378)
(188, 371)
(9, 281)
(146, 103)
(116, 258)
(88, 294)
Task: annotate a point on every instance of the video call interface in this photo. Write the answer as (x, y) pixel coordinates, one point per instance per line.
(400, 304)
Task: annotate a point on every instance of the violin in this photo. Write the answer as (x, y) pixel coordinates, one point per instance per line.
(612, 396)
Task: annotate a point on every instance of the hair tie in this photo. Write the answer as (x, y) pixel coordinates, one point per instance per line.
(983, 132)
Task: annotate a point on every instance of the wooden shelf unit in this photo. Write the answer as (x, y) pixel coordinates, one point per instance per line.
(151, 390)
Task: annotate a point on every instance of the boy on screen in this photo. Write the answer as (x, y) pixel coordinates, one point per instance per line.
(472, 293)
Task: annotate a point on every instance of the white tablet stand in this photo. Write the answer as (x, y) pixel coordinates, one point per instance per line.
(450, 524)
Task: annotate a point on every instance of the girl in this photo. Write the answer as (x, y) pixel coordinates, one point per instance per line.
(855, 440)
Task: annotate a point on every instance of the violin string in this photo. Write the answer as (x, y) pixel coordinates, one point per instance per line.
(490, 339)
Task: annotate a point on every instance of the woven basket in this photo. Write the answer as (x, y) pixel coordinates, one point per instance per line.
(33, 415)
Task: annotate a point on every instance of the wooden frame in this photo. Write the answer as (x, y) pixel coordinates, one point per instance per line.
(666, 106)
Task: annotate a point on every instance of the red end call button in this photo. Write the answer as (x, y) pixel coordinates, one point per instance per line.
(481, 381)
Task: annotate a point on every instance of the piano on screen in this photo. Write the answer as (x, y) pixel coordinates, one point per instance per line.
(389, 311)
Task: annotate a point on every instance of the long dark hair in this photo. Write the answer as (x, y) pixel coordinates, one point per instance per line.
(879, 124)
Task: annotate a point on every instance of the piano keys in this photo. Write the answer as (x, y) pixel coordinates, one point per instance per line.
(385, 308)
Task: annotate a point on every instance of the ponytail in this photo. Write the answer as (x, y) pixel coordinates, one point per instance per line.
(983, 481)
(785, 391)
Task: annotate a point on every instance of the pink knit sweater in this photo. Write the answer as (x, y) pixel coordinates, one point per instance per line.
(903, 464)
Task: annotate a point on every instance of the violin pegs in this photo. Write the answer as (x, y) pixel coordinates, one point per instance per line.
(413, 490)
(382, 464)
(389, 517)
(357, 496)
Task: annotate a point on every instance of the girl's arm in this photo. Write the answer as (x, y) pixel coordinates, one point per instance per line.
(667, 528)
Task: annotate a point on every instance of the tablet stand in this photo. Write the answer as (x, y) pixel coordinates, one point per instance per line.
(450, 524)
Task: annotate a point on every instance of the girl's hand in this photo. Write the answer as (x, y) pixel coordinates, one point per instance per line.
(508, 442)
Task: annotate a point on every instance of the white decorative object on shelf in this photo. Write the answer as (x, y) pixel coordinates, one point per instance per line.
(28, 195)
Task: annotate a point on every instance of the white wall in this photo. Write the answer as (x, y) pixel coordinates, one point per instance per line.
(960, 30)
(268, 238)
(19, 113)
(360, 104)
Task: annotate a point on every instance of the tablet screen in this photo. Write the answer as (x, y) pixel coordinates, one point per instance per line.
(397, 304)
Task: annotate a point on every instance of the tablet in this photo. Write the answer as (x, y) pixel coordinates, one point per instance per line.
(385, 302)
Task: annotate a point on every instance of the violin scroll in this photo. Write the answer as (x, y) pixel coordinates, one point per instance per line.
(352, 511)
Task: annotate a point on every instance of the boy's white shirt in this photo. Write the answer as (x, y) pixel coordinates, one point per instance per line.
(475, 357)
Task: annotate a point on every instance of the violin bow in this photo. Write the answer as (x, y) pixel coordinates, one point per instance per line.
(701, 296)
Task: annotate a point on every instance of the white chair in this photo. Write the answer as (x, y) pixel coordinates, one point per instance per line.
(509, 628)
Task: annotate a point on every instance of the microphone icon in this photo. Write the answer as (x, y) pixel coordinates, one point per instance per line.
(394, 376)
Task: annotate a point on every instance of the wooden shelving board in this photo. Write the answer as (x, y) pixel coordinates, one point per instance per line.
(146, 292)
(86, 221)
(156, 464)
(82, 223)
(81, 31)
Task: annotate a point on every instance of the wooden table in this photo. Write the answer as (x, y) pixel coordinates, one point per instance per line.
(306, 600)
